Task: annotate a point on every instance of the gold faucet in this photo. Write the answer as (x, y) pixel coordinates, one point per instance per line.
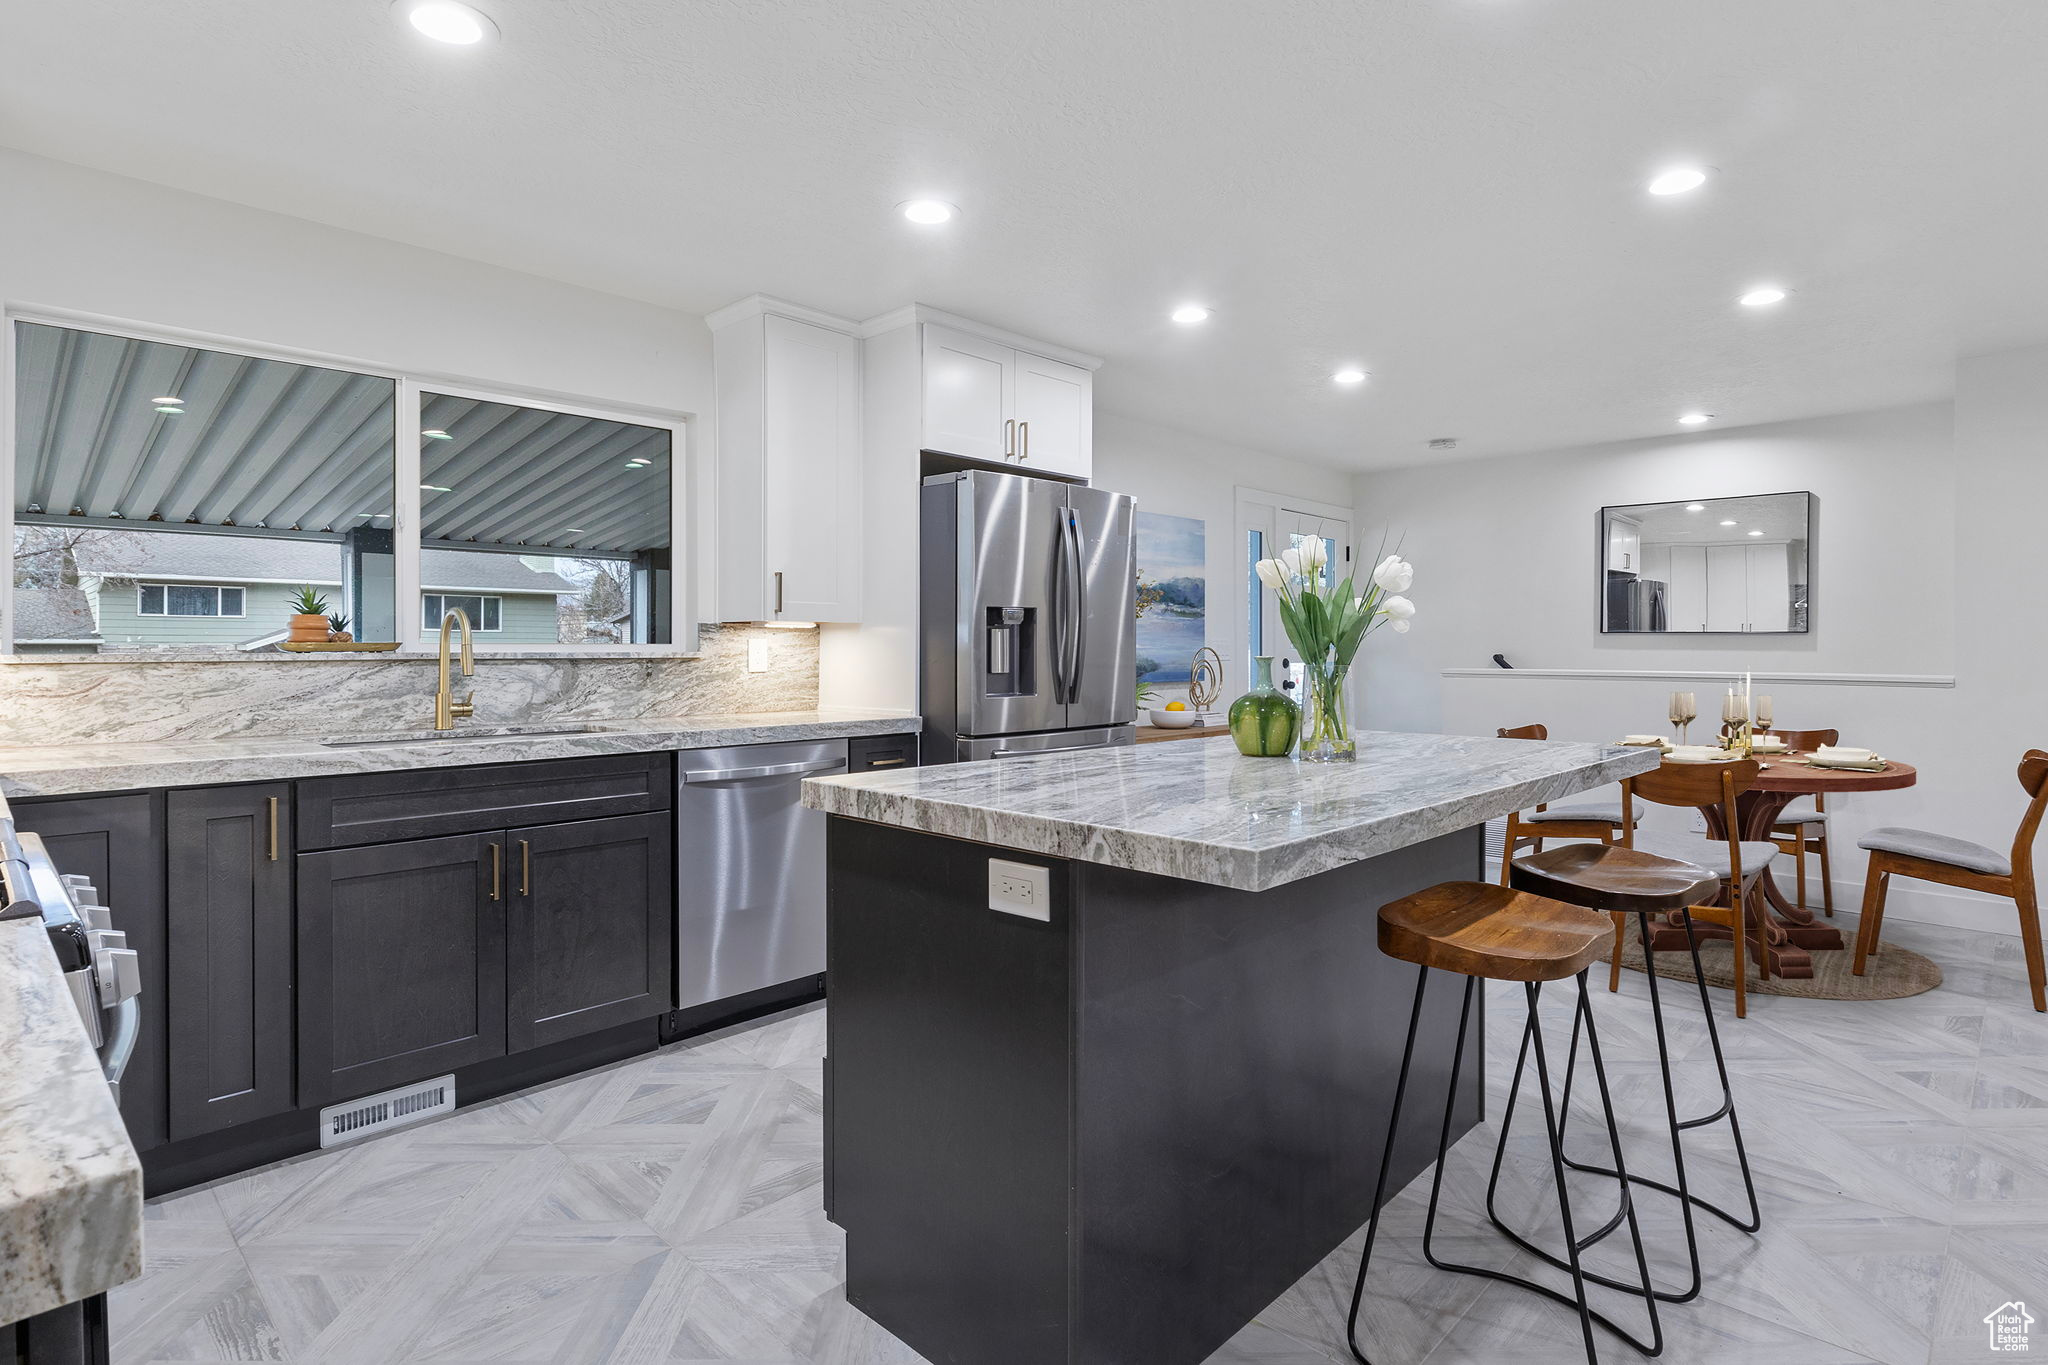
(446, 708)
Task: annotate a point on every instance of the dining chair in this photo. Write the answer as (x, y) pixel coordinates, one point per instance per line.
(1599, 820)
(1797, 831)
(1739, 863)
(1895, 850)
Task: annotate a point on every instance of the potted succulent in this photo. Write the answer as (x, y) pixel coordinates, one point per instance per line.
(339, 633)
(309, 623)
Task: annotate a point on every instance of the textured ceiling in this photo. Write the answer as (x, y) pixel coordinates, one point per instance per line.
(1447, 192)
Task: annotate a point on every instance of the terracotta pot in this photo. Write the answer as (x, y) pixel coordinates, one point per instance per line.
(308, 628)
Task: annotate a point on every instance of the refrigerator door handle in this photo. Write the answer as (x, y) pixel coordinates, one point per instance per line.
(1063, 626)
(1078, 617)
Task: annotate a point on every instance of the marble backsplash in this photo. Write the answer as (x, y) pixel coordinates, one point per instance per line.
(90, 701)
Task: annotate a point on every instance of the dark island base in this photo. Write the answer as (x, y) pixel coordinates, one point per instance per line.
(1113, 1137)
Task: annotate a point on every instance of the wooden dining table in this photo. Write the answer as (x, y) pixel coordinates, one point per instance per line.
(1785, 934)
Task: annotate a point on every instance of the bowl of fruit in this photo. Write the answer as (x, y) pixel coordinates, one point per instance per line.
(1175, 715)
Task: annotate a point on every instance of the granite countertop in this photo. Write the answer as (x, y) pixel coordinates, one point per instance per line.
(76, 769)
(1206, 813)
(70, 1183)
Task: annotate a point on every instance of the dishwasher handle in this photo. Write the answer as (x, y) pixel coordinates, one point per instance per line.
(711, 775)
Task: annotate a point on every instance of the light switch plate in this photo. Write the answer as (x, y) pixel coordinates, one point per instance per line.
(757, 656)
(1022, 889)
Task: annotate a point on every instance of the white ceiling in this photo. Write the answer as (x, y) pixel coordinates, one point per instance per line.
(1445, 191)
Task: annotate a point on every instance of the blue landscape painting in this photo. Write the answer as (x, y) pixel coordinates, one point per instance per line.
(1171, 568)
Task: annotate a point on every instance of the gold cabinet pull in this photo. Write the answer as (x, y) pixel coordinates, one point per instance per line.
(1009, 437)
(525, 868)
(272, 803)
(778, 593)
(497, 872)
(1023, 440)
(886, 762)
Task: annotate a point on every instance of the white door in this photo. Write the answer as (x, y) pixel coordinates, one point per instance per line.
(1727, 587)
(1770, 587)
(1054, 410)
(968, 395)
(1686, 605)
(812, 472)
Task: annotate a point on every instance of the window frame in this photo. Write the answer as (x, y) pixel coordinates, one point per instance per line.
(692, 537)
(476, 623)
(144, 584)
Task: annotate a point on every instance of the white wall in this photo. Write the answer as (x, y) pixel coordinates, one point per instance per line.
(1505, 555)
(83, 241)
(1186, 475)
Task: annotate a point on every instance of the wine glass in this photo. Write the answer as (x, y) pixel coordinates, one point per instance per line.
(1683, 711)
(1763, 714)
(1734, 714)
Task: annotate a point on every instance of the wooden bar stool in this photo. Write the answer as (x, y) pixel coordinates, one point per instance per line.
(1798, 831)
(1594, 820)
(1710, 788)
(1623, 882)
(1958, 862)
(1485, 932)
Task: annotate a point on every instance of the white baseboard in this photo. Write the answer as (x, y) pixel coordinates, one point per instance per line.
(1718, 675)
(1921, 902)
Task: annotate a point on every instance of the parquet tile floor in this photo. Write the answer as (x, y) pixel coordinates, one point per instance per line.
(665, 1211)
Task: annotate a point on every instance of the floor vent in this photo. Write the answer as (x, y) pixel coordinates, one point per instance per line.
(341, 1123)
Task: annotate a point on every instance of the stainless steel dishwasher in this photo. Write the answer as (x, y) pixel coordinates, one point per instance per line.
(750, 868)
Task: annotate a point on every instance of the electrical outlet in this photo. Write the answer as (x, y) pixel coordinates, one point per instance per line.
(1699, 822)
(757, 656)
(1020, 889)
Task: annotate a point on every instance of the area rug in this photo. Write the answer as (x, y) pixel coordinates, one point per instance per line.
(1892, 973)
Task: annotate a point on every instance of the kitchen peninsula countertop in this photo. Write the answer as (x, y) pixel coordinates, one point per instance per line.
(1205, 813)
(70, 1183)
(77, 769)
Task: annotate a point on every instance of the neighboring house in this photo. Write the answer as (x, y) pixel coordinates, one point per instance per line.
(150, 589)
(54, 621)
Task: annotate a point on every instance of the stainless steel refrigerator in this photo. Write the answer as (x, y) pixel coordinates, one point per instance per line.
(1029, 610)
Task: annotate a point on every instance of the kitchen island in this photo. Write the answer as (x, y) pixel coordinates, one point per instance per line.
(1112, 1122)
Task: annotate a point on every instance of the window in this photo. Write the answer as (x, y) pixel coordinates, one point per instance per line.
(568, 516)
(170, 496)
(188, 599)
(485, 613)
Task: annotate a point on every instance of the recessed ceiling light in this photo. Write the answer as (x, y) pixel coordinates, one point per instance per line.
(1762, 297)
(1695, 507)
(1756, 533)
(1727, 523)
(172, 399)
(1693, 419)
(636, 464)
(574, 531)
(1349, 375)
(447, 21)
(435, 488)
(1678, 180)
(170, 409)
(1188, 314)
(929, 212)
(435, 434)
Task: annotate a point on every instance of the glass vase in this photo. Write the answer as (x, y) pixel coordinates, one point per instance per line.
(1264, 720)
(1326, 718)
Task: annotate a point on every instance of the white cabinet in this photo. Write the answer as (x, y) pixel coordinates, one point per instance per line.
(789, 464)
(1686, 604)
(989, 401)
(1749, 588)
(1769, 604)
(1624, 546)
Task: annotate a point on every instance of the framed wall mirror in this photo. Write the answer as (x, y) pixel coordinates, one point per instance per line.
(1708, 566)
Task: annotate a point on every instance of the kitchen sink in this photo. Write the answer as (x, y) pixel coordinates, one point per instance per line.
(448, 736)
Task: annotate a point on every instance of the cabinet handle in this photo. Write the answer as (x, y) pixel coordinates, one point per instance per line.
(525, 868)
(778, 593)
(887, 762)
(1009, 437)
(272, 802)
(497, 872)
(1023, 440)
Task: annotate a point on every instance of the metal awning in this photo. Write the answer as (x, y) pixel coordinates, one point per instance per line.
(271, 445)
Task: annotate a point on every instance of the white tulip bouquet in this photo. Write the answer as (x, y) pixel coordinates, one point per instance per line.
(1327, 625)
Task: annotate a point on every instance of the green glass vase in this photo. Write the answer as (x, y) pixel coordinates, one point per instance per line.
(1264, 720)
